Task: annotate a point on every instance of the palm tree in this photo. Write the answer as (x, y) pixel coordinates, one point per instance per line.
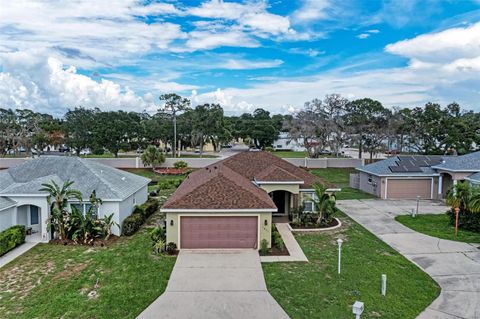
(152, 156)
(474, 201)
(459, 196)
(324, 204)
(57, 199)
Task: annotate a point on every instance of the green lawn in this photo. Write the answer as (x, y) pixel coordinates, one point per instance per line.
(315, 290)
(290, 154)
(340, 178)
(51, 281)
(438, 226)
(148, 173)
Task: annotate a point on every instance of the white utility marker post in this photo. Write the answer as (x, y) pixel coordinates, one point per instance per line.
(384, 285)
(339, 242)
(418, 203)
(357, 309)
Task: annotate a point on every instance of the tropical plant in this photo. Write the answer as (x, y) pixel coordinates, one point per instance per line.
(152, 156)
(180, 164)
(171, 248)
(85, 228)
(57, 199)
(159, 246)
(108, 223)
(263, 247)
(459, 196)
(324, 204)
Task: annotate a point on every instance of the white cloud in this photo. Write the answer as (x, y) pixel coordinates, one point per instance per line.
(241, 64)
(311, 11)
(202, 40)
(50, 86)
(363, 36)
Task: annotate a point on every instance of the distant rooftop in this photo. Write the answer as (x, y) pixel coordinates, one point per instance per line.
(464, 163)
(87, 175)
(420, 165)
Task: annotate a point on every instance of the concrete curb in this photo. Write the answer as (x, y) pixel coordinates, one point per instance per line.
(316, 229)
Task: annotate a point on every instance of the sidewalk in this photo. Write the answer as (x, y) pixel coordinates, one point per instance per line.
(18, 251)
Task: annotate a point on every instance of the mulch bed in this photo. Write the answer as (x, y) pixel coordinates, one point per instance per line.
(171, 171)
(274, 251)
(98, 242)
(333, 223)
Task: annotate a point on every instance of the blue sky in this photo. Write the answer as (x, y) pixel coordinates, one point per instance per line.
(273, 54)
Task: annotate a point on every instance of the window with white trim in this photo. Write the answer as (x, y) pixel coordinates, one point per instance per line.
(370, 179)
(85, 207)
(308, 205)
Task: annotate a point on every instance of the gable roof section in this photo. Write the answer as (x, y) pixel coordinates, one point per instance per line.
(464, 163)
(253, 165)
(218, 187)
(474, 178)
(6, 202)
(277, 174)
(384, 167)
(87, 175)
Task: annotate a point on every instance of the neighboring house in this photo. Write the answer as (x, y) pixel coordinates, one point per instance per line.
(285, 143)
(230, 203)
(426, 176)
(21, 202)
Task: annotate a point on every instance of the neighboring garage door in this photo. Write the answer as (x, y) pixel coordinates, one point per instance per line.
(218, 232)
(409, 188)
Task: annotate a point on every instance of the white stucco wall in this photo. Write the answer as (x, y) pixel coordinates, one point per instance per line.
(7, 218)
(41, 202)
(126, 206)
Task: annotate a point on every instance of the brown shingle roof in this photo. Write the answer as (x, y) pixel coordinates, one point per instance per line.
(253, 164)
(228, 184)
(218, 187)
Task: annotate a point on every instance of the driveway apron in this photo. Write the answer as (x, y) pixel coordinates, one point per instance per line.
(216, 284)
(455, 266)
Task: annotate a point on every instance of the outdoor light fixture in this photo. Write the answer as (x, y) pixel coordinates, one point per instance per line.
(266, 222)
(357, 309)
(339, 242)
(171, 222)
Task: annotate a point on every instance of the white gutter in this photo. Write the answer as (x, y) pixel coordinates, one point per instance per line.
(236, 210)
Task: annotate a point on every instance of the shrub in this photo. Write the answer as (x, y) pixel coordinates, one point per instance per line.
(466, 220)
(98, 151)
(132, 223)
(263, 247)
(150, 207)
(158, 233)
(171, 248)
(180, 164)
(11, 238)
(269, 149)
(159, 246)
(277, 240)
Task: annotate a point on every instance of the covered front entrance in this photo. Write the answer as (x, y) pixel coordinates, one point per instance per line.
(218, 232)
(30, 216)
(283, 201)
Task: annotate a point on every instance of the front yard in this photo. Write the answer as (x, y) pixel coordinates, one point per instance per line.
(315, 290)
(340, 178)
(438, 226)
(53, 281)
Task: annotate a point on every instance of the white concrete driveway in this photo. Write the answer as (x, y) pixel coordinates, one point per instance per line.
(453, 265)
(215, 284)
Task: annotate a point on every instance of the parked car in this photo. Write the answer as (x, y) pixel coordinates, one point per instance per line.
(325, 152)
(86, 151)
(139, 151)
(64, 149)
(392, 152)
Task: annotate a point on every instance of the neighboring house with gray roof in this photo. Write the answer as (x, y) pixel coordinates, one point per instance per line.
(424, 176)
(22, 202)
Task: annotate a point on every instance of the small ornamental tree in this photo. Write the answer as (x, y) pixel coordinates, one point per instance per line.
(152, 156)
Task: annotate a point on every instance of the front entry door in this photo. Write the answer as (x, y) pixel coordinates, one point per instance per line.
(34, 219)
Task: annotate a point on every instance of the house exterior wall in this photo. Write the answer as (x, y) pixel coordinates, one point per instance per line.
(7, 218)
(173, 231)
(292, 188)
(125, 207)
(374, 187)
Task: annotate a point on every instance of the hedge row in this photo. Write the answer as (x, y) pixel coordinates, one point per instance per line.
(11, 238)
(140, 214)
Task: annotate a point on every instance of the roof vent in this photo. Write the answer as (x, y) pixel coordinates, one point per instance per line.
(123, 178)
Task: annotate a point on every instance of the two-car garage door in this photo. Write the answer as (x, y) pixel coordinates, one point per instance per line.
(409, 188)
(218, 232)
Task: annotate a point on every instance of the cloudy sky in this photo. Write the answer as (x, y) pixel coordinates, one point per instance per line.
(277, 54)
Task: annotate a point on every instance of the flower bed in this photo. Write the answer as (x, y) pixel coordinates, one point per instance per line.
(335, 223)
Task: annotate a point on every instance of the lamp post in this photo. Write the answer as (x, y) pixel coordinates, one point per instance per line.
(418, 203)
(457, 210)
(339, 242)
(357, 309)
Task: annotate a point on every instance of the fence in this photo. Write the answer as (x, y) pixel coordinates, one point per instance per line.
(136, 162)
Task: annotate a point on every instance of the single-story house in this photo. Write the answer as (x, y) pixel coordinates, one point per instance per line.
(426, 176)
(230, 203)
(22, 203)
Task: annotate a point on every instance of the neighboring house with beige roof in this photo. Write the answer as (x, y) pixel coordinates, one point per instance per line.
(424, 176)
(230, 203)
(22, 202)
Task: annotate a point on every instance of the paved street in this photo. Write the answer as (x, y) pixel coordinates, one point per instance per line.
(454, 265)
(216, 284)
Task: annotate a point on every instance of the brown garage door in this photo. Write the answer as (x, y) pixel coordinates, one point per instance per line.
(218, 232)
(409, 188)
